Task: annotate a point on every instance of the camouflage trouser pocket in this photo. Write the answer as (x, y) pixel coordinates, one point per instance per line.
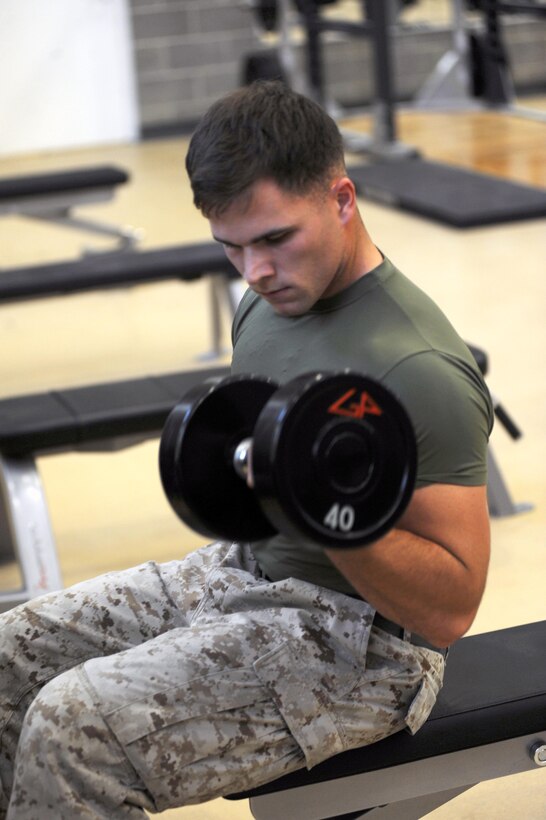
(290, 673)
(421, 706)
(200, 724)
(331, 705)
(396, 691)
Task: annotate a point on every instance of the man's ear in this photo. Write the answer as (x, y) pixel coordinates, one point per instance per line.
(344, 192)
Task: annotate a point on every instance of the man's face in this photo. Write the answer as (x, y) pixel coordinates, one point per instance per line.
(290, 249)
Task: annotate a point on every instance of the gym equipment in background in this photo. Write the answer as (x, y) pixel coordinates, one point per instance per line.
(447, 194)
(115, 270)
(52, 196)
(395, 175)
(475, 72)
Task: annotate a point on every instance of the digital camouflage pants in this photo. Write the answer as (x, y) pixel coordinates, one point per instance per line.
(172, 684)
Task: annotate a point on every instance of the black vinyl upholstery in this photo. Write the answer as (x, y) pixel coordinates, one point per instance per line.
(55, 182)
(68, 419)
(108, 270)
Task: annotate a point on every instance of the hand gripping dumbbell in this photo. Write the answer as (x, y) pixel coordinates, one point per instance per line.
(333, 458)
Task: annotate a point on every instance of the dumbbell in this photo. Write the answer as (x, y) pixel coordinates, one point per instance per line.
(333, 458)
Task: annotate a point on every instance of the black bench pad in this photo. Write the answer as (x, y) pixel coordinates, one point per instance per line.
(55, 182)
(78, 417)
(186, 262)
(448, 194)
(495, 689)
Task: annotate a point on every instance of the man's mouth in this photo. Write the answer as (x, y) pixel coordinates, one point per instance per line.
(268, 294)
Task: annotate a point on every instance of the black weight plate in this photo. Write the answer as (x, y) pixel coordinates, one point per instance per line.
(334, 459)
(196, 458)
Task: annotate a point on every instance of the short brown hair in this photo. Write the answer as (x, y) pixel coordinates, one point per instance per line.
(264, 130)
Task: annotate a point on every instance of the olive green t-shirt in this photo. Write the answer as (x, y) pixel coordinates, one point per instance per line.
(385, 327)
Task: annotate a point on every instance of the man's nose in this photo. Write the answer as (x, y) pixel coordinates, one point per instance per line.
(257, 265)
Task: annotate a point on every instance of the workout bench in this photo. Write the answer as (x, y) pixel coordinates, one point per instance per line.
(489, 722)
(103, 417)
(498, 495)
(98, 272)
(51, 197)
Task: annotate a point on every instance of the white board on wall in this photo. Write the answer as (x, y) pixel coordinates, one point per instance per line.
(67, 75)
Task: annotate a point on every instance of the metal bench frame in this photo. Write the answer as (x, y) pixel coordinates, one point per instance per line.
(97, 184)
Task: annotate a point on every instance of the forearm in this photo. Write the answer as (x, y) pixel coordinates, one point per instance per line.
(428, 574)
(413, 582)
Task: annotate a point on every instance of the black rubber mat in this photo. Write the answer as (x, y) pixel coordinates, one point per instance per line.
(444, 193)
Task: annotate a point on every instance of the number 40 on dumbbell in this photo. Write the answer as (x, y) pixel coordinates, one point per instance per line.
(332, 457)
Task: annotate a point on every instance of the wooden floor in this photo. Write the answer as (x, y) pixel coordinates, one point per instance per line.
(108, 510)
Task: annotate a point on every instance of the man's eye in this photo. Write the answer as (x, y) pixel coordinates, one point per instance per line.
(278, 238)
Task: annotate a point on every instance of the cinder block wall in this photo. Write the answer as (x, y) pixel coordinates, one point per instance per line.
(190, 52)
(187, 54)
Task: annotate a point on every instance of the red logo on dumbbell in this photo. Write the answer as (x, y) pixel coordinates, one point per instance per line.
(355, 409)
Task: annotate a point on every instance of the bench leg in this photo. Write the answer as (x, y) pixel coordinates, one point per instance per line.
(225, 294)
(127, 237)
(413, 809)
(410, 787)
(26, 536)
(57, 208)
(498, 495)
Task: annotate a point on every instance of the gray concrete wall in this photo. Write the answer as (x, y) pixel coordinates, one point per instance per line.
(190, 52)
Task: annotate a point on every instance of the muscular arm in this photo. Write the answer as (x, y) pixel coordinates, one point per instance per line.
(428, 574)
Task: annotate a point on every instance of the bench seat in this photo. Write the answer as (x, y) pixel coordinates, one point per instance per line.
(130, 268)
(15, 189)
(184, 262)
(93, 416)
(52, 196)
(489, 715)
(99, 417)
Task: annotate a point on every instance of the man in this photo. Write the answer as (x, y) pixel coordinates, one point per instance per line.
(172, 684)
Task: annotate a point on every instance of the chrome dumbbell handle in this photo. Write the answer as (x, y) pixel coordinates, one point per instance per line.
(241, 458)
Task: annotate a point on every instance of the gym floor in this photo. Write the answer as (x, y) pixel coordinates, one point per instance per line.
(108, 510)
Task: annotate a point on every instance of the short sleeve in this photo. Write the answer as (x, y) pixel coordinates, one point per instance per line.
(452, 415)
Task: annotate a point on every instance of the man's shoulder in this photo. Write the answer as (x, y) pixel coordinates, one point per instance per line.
(249, 302)
(431, 370)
